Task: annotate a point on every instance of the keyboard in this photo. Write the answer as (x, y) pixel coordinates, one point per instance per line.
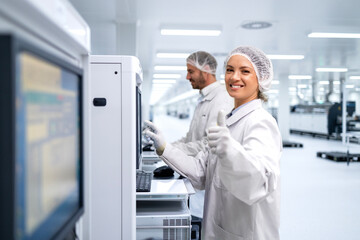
(143, 181)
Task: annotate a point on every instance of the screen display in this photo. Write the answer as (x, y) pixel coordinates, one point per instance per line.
(138, 129)
(48, 146)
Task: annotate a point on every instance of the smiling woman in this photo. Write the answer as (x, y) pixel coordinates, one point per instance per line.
(248, 74)
(241, 81)
(239, 168)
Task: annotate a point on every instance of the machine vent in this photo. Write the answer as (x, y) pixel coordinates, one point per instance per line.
(178, 229)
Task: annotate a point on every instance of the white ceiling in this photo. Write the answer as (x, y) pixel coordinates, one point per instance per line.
(291, 22)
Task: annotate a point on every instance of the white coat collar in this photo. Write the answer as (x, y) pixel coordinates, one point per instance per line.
(209, 92)
(248, 108)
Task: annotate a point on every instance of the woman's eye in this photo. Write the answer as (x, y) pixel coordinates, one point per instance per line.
(229, 70)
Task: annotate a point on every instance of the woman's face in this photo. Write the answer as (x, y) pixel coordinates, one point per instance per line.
(241, 81)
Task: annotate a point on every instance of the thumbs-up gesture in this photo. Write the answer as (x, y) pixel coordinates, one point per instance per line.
(219, 136)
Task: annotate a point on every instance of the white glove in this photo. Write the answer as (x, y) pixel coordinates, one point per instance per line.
(155, 134)
(219, 137)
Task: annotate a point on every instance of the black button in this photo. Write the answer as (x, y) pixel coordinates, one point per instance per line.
(99, 102)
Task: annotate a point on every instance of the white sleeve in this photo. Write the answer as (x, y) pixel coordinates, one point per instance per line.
(251, 171)
(192, 148)
(194, 168)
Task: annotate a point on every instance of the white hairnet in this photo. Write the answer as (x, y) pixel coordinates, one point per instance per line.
(261, 63)
(203, 61)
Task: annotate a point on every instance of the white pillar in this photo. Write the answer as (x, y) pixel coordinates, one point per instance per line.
(284, 107)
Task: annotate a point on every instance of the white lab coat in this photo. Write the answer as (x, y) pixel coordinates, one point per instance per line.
(242, 189)
(214, 98)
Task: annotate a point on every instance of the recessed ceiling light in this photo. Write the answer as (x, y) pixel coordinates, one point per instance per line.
(285, 57)
(172, 55)
(336, 82)
(302, 86)
(256, 25)
(175, 68)
(350, 86)
(324, 82)
(331, 69)
(355, 77)
(300, 77)
(160, 75)
(333, 35)
(188, 32)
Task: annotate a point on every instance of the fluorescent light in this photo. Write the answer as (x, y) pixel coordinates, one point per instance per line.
(164, 81)
(286, 57)
(275, 82)
(333, 35)
(184, 32)
(324, 82)
(302, 86)
(167, 68)
(172, 55)
(160, 75)
(222, 76)
(292, 89)
(336, 82)
(162, 86)
(222, 81)
(355, 77)
(273, 91)
(183, 96)
(300, 77)
(331, 69)
(350, 86)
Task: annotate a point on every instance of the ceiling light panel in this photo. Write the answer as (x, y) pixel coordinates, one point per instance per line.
(331, 69)
(161, 75)
(185, 32)
(285, 57)
(170, 68)
(293, 77)
(355, 77)
(163, 81)
(333, 35)
(172, 55)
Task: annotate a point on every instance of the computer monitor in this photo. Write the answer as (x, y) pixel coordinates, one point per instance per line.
(350, 107)
(41, 164)
(138, 128)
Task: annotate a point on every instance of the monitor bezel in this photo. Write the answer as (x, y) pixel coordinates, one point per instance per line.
(10, 47)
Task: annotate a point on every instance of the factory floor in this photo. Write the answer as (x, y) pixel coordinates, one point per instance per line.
(319, 197)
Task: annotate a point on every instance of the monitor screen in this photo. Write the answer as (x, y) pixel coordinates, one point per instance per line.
(138, 129)
(47, 143)
(350, 107)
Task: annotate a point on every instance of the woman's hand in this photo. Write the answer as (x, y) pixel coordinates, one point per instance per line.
(219, 136)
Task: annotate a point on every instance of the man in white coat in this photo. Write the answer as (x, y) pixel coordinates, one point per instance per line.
(240, 167)
(201, 72)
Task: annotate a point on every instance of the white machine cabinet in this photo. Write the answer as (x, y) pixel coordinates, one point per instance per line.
(112, 204)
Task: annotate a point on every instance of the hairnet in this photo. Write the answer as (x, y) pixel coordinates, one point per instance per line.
(203, 61)
(261, 63)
